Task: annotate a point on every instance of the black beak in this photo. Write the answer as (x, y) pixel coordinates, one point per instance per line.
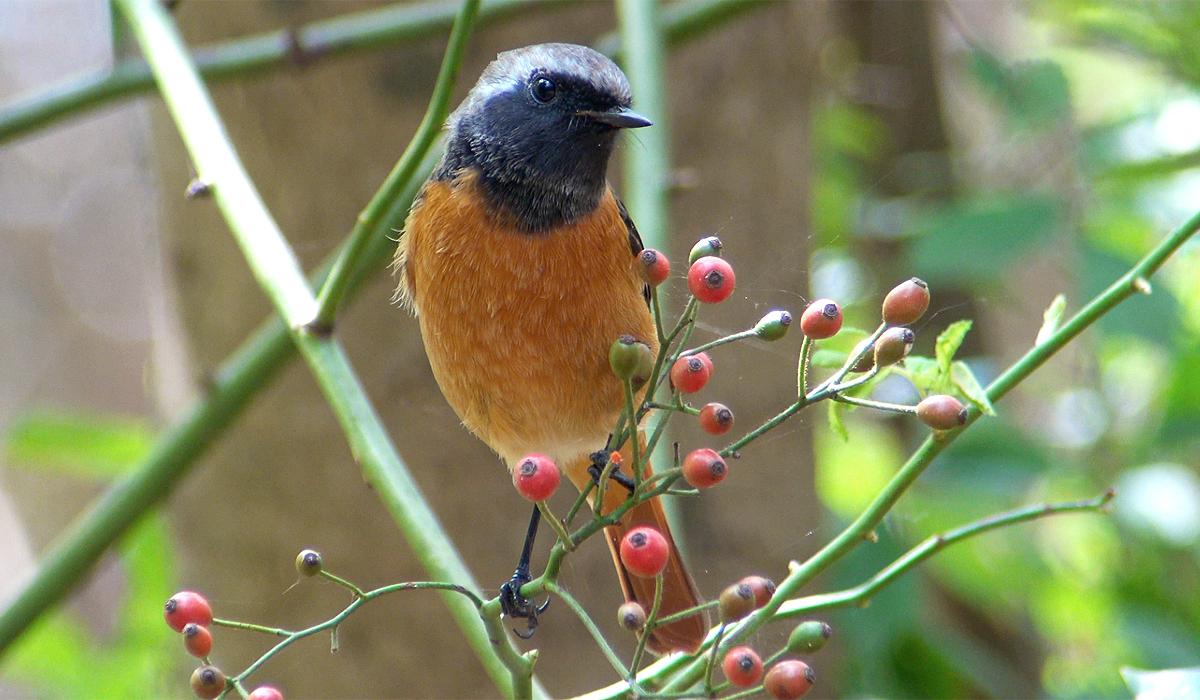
(618, 117)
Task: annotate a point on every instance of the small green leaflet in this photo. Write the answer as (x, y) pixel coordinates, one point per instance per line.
(924, 374)
(948, 343)
(87, 445)
(835, 420)
(1051, 319)
(965, 380)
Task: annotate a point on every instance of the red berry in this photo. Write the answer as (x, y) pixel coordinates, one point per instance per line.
(197, 640)
(822, 319)
(906, 303)
(716, 419)
(762, 587)
(789, 680)
(942, 412)
(742, 667)
(265, 692)
(711, 280)
(644, 552)
(690, 374)
(703, 468)
(536, 477)
(185, 607)
(655, 267)
(208, 682)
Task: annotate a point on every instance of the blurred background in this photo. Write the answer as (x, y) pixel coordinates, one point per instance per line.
(1003, 152)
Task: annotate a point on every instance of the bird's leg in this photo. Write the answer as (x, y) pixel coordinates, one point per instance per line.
(596, 468)
(512, 603)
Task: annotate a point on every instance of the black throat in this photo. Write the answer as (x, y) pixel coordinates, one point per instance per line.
(538, 183)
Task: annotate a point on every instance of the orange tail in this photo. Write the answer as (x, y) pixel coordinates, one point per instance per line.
(679, 591)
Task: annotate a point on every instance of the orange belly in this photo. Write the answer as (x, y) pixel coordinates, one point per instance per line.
(517, 327)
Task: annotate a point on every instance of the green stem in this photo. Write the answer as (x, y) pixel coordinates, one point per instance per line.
(651, 623)
(362, 31)
(597, 635)
(555, 524)
(334, 291)
(237, 380)
(646, 167)
(342, 582)
(742, 335)
(871, 403)
(248, 56)
(361, 599)
(251, 627)
(866, 590)
(273, 263)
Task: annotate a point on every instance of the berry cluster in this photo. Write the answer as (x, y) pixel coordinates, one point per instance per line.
(189, 613)
(662, 382)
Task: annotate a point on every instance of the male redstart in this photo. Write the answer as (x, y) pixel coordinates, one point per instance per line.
(521, 266)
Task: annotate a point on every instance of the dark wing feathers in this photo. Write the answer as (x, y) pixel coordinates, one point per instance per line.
(635, 240)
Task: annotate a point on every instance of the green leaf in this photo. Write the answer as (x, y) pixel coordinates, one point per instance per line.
(80, 445)
(834, 351)
(829, 359)
(1171, 684)
(1051, 318)
(923, 372)
(845, 340)
(835, 420)
(965, 380)
(948, 343)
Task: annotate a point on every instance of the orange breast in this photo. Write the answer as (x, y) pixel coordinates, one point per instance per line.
(517, 327)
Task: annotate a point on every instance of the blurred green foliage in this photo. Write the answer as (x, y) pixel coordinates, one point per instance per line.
(79, 651)
(1059, 607)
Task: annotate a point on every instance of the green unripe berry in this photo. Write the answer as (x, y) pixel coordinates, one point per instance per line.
(808, 637)
(308, 563)
(631, 360)
(703, 247)
(773, 326)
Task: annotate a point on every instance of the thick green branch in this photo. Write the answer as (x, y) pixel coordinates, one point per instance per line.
(334, 290)
(244, 57)
(273, 263)
(280, 49)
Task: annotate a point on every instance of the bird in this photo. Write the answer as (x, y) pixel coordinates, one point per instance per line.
(520, 264)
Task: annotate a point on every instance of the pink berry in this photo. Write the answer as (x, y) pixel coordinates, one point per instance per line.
(655, 267)
(821, 319)
(185, 607)
(644, 552)
(743, 667)
(716, 419)
(690, 374)
(711, 280)
(536, 477)
(703, 468)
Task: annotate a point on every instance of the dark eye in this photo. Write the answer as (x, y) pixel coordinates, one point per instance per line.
(543, 89)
